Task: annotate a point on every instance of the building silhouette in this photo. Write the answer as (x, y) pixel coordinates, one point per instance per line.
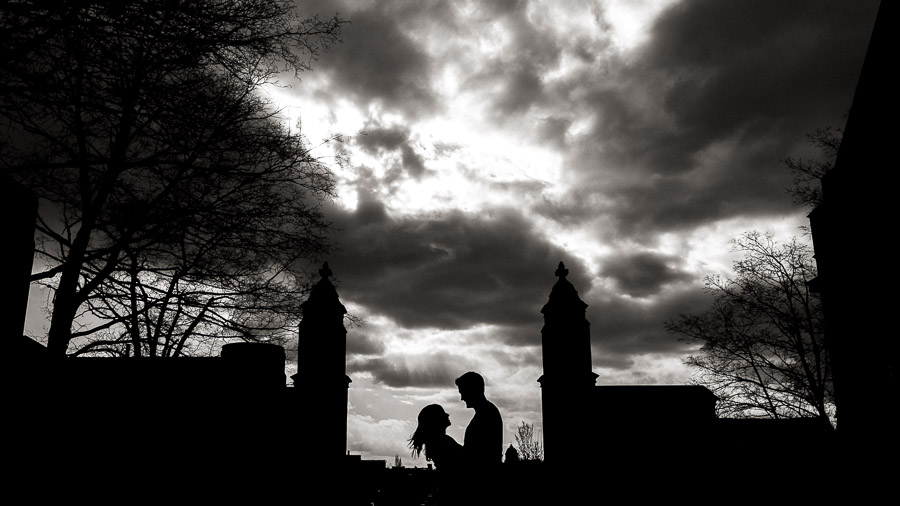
(225, 427)
(855, 198)
(637, 434)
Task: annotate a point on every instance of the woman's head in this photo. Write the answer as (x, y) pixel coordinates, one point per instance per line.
(433, 422)
(434, 416)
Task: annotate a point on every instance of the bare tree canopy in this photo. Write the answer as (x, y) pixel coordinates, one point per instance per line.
(761, 343)
(528, 446)
(175, 206)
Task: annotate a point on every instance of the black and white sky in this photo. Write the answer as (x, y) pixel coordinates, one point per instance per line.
(489, 140)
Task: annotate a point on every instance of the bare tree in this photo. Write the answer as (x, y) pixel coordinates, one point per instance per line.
(807, 173)
(761, 343)
(175, 206)
(527, 444)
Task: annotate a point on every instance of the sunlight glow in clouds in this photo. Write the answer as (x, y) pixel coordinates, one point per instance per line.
(630, 20)
(487, 141)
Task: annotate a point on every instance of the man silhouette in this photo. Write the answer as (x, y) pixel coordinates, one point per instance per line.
(483, 443)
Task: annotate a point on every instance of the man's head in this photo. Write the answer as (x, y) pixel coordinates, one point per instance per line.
(471, 388)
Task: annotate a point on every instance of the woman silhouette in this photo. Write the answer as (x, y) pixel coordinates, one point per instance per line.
(431, 437)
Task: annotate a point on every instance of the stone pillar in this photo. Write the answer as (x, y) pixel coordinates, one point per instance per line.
(568, 381)
(321, 382)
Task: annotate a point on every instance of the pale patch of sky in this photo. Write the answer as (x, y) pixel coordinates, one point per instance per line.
(493, 41)
(707, 249)
(557, 17)
(630, 20)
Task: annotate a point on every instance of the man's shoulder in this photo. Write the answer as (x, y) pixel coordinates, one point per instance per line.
(491, 410)
(486, 412)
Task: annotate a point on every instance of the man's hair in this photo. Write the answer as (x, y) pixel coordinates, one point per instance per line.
(471, 381)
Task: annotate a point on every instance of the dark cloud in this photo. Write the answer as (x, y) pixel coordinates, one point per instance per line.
(691, 128)
(644, 273)
(504, 7)
(520, 87)
(552, 130)
(753, 65)
(375, 138)
(527, 332)
(412, 161)
(622, 327)
(524, 356)
(382, 140)
(618, 362)
(359, 342)
(513, 79)
(376, 62)
(755, 188)
(577, 205)
(449, 271)
(437, 370)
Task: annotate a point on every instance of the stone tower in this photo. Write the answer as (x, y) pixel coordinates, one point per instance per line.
(321, 382)
(568, 381)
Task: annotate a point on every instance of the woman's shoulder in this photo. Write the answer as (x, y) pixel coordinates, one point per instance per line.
(449, 442)
(447, 454)
(444, 447)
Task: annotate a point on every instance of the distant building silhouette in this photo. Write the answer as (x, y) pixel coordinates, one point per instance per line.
(511, 456)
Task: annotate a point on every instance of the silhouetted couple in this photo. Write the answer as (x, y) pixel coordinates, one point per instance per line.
(466, 472)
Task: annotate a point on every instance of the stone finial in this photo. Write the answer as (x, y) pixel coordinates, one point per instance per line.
(561, 271)
(325, 271)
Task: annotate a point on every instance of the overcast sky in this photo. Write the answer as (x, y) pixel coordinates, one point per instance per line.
(488, 141)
